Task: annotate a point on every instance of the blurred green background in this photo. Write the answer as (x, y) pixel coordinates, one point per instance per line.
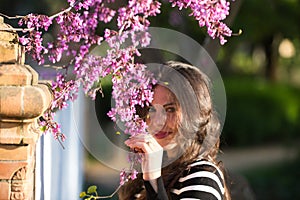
(261, 73)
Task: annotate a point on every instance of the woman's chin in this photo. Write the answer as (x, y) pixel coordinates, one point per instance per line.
(166, 143)
(169, 146)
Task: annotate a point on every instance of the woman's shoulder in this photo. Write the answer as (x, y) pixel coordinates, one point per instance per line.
(203, 165)
(202, 178)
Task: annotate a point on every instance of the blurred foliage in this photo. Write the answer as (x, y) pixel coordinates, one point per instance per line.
(265, 23)
(179, 20)
(277, 182)
(260, 112)
(23, 7)
(260, 19)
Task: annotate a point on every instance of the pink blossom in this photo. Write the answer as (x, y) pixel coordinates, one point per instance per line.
(132, 82)
(208, 13)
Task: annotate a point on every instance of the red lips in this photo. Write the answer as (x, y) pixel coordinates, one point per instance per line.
(162, 134)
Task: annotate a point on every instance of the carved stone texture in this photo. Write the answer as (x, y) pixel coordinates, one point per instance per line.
(11, 133)
(22, 103)
(10, 50)
(14, 74)
(18, 133)
(14, 152)
(18, 189)
(17, 186)
(18, 195)
(22, 98)
(21, 184)
(20, 174)
(9, 169)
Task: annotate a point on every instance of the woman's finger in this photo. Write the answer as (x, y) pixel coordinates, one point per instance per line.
(147, 138)
(140, 146)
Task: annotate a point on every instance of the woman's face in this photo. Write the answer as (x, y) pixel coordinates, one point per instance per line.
(162, 119)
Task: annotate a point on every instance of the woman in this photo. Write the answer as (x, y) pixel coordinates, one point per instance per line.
(179, 153)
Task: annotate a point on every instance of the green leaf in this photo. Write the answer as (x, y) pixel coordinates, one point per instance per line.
(43, 128)
(92, 189)
(82, 194)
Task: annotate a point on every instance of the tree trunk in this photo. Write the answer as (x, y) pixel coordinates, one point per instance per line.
(271, 48)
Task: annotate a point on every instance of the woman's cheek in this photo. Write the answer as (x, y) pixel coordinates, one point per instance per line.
(173, 121)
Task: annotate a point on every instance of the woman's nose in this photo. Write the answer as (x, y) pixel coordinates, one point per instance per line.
(158, 118)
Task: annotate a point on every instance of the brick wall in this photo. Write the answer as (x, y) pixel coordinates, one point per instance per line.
(22, 100)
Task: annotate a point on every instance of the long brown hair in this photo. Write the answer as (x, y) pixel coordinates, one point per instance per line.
(199, 125)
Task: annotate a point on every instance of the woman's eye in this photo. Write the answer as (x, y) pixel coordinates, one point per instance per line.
(151, 109)
(170, 109)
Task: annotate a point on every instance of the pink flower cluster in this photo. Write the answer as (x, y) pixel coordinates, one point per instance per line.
(209, 13)
(126, 175)
(76, 35)
(63, 91)
(33, 42)
(131, 173)
(47, 123)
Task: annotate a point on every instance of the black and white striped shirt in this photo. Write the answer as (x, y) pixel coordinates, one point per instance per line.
(202, 180)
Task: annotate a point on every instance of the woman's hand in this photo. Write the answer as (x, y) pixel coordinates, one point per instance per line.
(152, 154)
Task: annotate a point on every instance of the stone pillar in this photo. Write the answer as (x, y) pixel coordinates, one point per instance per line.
(22, 100)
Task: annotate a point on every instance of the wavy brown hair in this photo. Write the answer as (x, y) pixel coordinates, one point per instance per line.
(199, 127)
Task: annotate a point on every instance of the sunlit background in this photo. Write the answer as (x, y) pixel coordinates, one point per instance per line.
(261, 73)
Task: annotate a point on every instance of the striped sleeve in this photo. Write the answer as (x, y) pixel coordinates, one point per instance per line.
(203, 180)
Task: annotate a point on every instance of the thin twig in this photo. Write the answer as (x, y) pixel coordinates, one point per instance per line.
(15, 17)
(61, 143)
(62, 12)
(17, 29)
(109, 196)
(54, 67)
(65, 10)
(30, 29)
(51, 17)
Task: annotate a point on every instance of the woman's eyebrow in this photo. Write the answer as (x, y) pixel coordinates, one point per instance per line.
(169, 104)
